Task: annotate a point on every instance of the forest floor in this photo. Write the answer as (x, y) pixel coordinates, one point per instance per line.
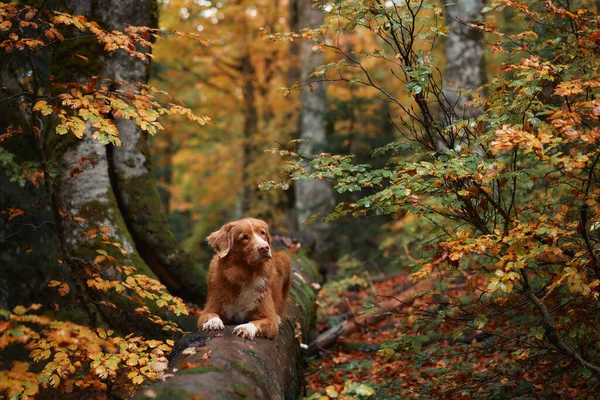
(373, 363)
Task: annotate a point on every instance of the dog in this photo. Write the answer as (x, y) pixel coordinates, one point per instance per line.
(248, 283)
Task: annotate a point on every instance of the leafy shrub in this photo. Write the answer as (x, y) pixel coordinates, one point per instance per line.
(508, 200)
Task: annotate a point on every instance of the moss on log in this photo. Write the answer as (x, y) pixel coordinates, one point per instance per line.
(220, 365)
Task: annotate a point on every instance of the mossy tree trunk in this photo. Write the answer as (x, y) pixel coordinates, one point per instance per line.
(132, 181)
(221, 365)
(118, 190)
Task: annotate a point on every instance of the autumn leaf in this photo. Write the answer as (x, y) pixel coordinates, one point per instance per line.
(64, 289)
(43, 107)
(84, 58)
(14, 212)
(4, 26)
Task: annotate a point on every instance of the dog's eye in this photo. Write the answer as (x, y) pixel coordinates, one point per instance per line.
(263, 232)
(244, 237)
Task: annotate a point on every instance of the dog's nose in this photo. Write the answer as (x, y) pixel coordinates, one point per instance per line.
(264, 249)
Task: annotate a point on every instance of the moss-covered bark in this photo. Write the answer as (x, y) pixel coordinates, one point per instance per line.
(131, 176)
(238, 368)
(119, 191)
(91, 199)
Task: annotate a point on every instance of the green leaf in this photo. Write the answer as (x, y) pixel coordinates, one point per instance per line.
(480, 321)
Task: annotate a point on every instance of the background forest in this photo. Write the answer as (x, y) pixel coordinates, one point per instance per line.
(438, 160)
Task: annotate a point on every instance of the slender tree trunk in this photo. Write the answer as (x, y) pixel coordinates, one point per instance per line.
(464, 73)
(292, 115)
(316, 196)
(294, 46)
(250, 132)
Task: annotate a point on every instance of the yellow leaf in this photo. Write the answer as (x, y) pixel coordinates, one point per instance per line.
(101, 332)
(19, 310)
(133, 361)
(331, 392)
(132, 374)
(43, 107)
(19, 367)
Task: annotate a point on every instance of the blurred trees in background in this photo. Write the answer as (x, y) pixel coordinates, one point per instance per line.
(312, 196)
(211, 175)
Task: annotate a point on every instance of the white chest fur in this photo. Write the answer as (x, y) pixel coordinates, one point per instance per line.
(250, 295)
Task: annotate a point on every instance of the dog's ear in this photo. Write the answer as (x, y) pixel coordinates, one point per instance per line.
(222, 240)
(265, 226)
(268, 236)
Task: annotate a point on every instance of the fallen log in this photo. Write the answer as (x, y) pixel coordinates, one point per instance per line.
(220, 365)
(355, 323)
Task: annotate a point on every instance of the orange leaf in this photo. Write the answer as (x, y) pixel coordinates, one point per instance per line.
(4, 325)
(54, 283)
(15, 212)
(84, 58)
(6, 25)
(64, 289)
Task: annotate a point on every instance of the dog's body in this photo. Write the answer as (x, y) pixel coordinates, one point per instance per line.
(248, 284)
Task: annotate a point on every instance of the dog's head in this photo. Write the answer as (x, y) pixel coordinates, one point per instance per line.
(247, 240)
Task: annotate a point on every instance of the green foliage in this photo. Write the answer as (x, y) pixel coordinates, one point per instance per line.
(507, 201)
(19, 173)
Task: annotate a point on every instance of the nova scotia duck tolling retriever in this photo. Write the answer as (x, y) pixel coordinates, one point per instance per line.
(248, 283)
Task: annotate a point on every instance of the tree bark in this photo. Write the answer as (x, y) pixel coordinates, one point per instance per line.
(223, 366)
(248, 74)
(89, 194)
(133, 183)
(464, 73)
(315, 196)
(119, 191)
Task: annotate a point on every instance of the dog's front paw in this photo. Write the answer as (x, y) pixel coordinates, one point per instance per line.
(247, 331)
(213, 324)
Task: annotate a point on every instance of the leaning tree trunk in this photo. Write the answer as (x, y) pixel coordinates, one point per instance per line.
(314, 196)
(118, 191)
(221, 365)
(464, 73)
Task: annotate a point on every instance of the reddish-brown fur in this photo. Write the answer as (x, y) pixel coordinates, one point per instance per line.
(247, 283)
